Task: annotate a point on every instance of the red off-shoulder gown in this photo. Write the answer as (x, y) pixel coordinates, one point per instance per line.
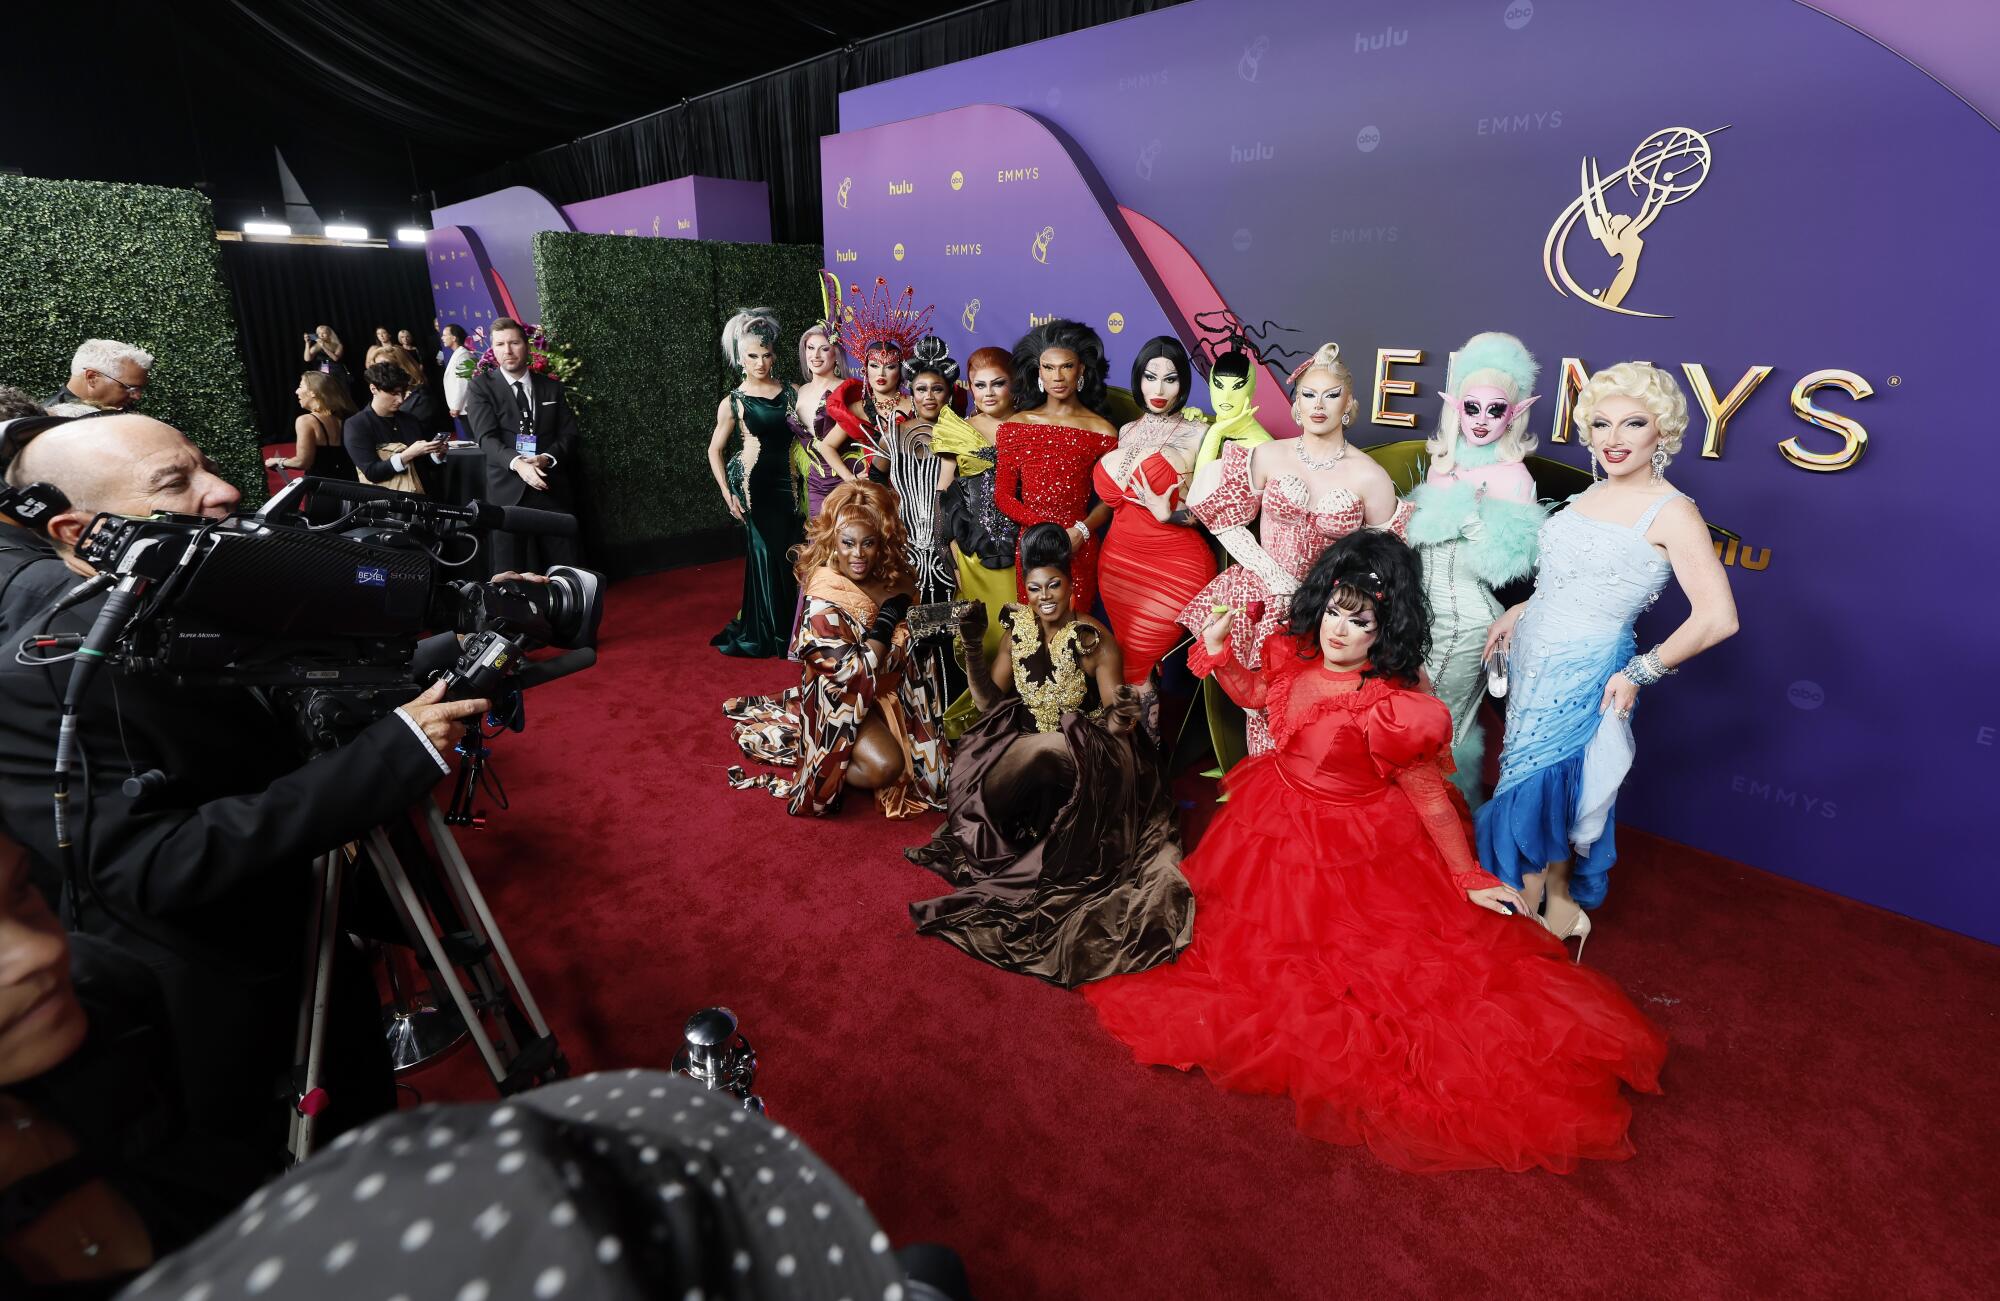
(1337, 960)
(1042, 476)
(1147, 570)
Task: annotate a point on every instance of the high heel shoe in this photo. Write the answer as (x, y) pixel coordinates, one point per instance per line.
(1579, 930)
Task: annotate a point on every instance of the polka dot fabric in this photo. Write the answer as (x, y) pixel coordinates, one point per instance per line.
(621, 1184)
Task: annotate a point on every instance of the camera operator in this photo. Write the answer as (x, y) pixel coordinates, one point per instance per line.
(200, 863)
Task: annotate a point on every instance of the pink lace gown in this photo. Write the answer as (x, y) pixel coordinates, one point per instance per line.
(1270, 564)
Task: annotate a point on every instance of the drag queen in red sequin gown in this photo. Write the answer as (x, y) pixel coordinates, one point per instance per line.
(1153, 561)
(1044, 454)
(1348, 951)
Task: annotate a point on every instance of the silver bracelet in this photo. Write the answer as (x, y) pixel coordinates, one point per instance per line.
(1082, 528)
(1645, 670)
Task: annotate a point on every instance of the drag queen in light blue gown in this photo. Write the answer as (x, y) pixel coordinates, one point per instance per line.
(1573, 674)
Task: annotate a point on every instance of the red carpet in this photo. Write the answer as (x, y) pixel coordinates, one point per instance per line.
(1828, 1127)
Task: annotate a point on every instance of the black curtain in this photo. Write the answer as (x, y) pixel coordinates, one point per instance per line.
(768, 129)
(283, 291)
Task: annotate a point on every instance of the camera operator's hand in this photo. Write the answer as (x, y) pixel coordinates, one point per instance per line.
(515, 576)
(441, 719)
(531, 474)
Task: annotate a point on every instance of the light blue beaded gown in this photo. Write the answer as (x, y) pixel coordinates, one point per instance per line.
(1562, 761)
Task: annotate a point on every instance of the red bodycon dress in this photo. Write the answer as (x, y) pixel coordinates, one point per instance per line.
(1147, 571)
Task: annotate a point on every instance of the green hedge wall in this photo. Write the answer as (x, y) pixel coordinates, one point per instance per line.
(645, 316)
(87, 260)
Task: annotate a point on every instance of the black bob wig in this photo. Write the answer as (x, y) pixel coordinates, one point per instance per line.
(1375, 568)
(1163, 345)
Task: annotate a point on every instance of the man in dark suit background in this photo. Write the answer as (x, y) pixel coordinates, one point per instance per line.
(524, 423)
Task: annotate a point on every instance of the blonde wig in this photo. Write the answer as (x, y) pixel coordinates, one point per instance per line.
(870, 504)
(1646, 384)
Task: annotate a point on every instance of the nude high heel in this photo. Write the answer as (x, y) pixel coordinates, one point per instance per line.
(1579, 930)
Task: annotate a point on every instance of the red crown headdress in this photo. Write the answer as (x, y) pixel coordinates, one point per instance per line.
(878, 320)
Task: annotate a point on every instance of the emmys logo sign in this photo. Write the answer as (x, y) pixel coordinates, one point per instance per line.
(840, 195)
(962, 250)
(845, 255)
(1252, 61)
(1142, 81)
(1368, 139)
(1518, 14)
(1667, 167)
(1390, 38)
(1781, 797)
(970, 317)
(1149, 155)
(1012, 174)
(902, 187)
(1365, 234)
(1259, 152)
(1519, 123)
(1039, 248)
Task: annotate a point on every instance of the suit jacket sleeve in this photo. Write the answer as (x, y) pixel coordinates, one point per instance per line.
(489, 425)
(358, 437)
(162, 860)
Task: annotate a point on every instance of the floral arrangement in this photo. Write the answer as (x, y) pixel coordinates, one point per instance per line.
(547, 355)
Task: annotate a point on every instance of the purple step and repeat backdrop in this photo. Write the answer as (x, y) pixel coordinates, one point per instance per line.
(1787, 194)
(481, 252)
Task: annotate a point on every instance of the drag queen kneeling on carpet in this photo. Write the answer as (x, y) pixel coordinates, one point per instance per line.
(1348, 951)
(1061, 834)
(858, 718)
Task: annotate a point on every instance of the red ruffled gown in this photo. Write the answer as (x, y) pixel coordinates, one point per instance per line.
(1043, 477)
(1147, 570)
(1337, 960)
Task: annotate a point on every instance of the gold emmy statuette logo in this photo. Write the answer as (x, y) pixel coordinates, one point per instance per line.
(958, 180)
(971, 315)
(1117, 323)
(846, 184)
(656, 223)
(1040, 248)
(898, 251)
(1667, 167)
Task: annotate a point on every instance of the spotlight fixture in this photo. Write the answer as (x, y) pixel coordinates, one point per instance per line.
(334, 231)
(266, 228)
(410, 234)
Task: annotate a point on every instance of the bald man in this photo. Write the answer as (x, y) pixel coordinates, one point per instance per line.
(205, 876)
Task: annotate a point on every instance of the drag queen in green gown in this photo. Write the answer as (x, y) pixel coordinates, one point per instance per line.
(1475, 527)
(757, 486)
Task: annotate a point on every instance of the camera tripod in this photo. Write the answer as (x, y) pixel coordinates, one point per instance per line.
(445, 916)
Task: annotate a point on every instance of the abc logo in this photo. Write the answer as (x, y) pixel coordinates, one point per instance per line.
(958, 180)
(1519, 14)
(1116, 323)
(1241, 239)
(1368, 139)
(1805, 694)
(898, 251)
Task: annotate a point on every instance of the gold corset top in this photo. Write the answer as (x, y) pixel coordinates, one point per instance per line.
(1065, 687)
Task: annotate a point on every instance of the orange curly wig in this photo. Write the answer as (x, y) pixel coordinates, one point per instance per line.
(870, 504)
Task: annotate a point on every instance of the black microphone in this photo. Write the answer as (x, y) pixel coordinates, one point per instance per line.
(560, 666)
(523, 519)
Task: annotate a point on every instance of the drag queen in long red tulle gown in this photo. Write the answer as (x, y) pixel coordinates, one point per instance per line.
(1348, 951)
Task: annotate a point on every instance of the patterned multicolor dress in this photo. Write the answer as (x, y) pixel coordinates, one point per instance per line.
(810, 729)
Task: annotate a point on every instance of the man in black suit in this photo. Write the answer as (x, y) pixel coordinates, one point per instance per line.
(204, 875)
(528, 431)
